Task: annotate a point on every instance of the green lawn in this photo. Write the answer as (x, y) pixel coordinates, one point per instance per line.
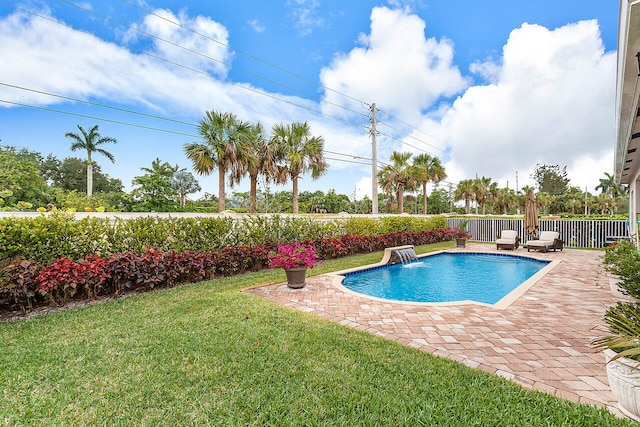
(208, 354)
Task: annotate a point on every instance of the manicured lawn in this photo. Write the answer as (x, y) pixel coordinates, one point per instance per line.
(208, 354)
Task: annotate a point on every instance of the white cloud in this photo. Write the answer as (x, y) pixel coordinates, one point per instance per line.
(257, 26)
(305, 15)
(42, 55)
(198, 42)
(395, 67)
(551, 102)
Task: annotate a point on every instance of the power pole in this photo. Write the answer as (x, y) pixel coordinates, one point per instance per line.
(374, 162)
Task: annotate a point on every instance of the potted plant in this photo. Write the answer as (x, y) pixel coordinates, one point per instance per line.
(461, 234)
(295, 259)
(622, 343)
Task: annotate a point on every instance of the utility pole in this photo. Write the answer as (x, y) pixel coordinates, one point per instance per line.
(586, 195)
(374, 162)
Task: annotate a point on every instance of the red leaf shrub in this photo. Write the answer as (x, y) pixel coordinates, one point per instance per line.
(18, 284)
(21, 282)
(94, 274)
(59, 281)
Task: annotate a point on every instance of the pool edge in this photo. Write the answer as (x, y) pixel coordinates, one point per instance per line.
(338, 276)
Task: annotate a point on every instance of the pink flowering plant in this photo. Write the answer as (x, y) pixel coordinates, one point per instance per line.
(293, 256)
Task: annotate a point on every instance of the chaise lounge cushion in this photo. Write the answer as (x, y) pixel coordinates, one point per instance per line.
(547, 240)
(508, 240)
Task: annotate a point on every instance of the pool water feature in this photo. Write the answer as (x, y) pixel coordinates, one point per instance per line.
(446, 277)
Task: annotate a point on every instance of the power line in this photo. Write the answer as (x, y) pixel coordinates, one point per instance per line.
(413, 128)
(411, 136)
(348, 161)
(98, 104)
(404, 142)
(158, 129)
(86, 116)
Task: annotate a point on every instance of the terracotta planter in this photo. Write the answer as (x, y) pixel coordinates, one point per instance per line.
(460, 243)
(296, 277)
(624, 380)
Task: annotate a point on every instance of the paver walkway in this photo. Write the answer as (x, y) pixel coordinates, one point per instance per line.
(541, 341)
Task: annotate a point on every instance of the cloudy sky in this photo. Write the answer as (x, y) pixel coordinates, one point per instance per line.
(491, 88)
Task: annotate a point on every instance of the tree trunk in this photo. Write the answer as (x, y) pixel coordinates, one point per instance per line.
(294, 201)
(400, 199)
(253, 182)
(221, 174)
(467, 203)
(89, 178)
(424, 198)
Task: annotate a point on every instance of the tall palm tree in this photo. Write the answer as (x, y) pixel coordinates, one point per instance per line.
(399, 175)
(482, 192)
(427, 169)
(465, 191)
(300, 152)
(225, 145)
(90, 141)
(505, 198)
(262, 159)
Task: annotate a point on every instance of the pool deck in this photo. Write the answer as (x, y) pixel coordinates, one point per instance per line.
(540, 341)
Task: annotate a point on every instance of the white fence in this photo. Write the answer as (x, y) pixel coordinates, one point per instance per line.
(576, 233)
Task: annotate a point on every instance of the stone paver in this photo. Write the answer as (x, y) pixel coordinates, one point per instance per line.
(540, 341)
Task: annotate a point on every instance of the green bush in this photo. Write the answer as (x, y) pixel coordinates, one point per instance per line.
(362, 226)
(47, 238)
(623, 260)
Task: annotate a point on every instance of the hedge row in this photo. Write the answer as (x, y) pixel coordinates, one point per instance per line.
(27, 283)
(47, 238)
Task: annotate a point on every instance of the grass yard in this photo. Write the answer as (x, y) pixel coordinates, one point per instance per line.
(208, 354)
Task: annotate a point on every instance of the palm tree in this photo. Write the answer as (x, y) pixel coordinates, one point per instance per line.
(299, 152)
(398, 176)
(465, 191)
(608, 185)
(505, 198)
(427, 168)
(262, 159)
(225, 145)
(90, 141)
(481, 189)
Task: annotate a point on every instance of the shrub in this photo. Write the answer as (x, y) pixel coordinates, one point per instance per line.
(94, 274)
(60, 280)
(623, 260)
(18, 285)
(362, 226)
(63, 279)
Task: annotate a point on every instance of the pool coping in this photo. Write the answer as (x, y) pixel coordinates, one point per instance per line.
(338, 276)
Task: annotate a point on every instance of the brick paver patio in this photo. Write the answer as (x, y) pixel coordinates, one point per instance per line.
(541, 341)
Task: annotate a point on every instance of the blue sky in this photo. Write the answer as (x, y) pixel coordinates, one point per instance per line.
(492, 88)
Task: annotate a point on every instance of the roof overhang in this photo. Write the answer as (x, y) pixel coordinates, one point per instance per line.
(627, 156)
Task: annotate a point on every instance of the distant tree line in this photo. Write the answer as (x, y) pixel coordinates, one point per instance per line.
(237, 149)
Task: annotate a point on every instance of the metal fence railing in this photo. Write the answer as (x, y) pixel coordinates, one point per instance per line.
(576, 233)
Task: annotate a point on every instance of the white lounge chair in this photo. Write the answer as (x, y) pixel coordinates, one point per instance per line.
(548, 240)
(508, 240)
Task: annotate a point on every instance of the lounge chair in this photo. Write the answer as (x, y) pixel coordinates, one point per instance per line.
(548, 240)
(508, 240)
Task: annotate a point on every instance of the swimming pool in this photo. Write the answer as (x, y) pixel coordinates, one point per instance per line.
(446, 277)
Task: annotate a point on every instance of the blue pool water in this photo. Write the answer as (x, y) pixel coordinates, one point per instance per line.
(446, 277)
